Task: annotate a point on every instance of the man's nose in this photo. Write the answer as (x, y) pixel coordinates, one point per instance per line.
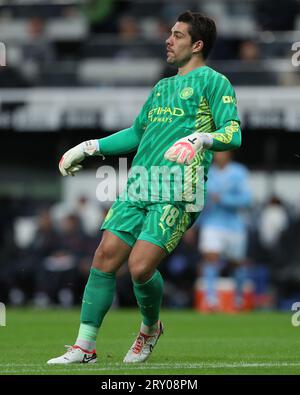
(169, 40)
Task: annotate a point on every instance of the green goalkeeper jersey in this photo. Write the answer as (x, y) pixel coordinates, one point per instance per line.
(202, 100)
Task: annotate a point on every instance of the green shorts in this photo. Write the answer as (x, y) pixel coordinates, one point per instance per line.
(162, 224)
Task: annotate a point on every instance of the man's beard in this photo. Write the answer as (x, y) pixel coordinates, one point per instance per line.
(178, 63)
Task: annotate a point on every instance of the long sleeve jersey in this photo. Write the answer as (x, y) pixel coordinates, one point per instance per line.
(202, 100)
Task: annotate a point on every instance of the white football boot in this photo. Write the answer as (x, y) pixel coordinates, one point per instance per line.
(75, 354)
(143, 346)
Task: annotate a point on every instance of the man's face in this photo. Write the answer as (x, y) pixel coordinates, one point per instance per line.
(222, 158)
(179, 45)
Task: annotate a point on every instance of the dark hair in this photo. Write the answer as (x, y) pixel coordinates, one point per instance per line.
(200, 28)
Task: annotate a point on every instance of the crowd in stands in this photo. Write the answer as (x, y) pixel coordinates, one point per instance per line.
(46, 247)
(52, 43)
(47, 250)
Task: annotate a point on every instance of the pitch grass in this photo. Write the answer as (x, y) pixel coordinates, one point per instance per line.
(193, 343)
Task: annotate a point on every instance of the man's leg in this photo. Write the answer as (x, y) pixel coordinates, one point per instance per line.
(148, 290)
(211, 246)
(162, 230)
(100, 289)
(98, 294)
(240, 275)
(210, 273)
(237, 243)
(147, 281)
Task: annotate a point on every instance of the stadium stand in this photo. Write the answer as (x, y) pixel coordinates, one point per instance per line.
(69, 66)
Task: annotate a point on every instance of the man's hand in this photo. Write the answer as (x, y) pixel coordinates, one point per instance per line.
(184, 150)
(69, 163)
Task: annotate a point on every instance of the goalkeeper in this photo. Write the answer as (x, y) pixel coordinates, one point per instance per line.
(184, 120)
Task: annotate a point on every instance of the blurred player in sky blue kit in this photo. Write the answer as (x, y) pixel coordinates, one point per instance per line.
(223, 228)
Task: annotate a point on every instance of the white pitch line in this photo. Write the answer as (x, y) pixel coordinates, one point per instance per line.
(32, 368)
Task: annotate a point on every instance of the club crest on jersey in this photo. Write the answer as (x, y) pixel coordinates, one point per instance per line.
(186, 93)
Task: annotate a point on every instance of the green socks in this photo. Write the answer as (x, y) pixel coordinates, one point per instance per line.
(87, 337)
(97, 299)
(149, 298)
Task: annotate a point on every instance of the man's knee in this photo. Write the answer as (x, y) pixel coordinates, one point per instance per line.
(144, 259)
(110, 254)
(140, 269)
(103, 257)
(211, 257)
(103, 253)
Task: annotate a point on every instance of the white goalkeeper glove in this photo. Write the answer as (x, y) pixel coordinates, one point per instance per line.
(184, 150)
(69, 163)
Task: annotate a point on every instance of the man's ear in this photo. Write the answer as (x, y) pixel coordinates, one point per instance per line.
(198, 46)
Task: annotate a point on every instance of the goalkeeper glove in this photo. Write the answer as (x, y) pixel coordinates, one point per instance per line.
(184, 150)
(69, 163)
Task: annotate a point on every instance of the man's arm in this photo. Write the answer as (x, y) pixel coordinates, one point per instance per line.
(222, 102)
(127, 140)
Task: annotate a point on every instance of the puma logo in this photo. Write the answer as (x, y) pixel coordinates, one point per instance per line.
(163, 228)
(84, 301)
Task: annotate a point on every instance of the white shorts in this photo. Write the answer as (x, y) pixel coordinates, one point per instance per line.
(229, 244)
